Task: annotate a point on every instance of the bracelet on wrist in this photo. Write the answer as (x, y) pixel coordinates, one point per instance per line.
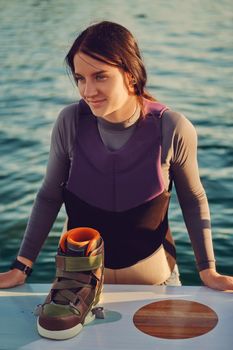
(21, 266)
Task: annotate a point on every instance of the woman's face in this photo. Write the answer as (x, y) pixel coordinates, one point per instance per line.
(105, 88)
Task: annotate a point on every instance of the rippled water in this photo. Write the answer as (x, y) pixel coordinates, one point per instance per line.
(188, 51)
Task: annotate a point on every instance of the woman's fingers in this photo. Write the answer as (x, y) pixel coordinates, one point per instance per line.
(12, 278)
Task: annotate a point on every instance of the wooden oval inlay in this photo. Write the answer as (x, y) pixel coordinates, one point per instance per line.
(175, 319)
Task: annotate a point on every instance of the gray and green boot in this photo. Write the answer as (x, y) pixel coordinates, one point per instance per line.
(77, 287)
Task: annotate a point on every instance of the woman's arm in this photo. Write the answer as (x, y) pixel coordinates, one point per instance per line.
(49, 198)
(194, 203)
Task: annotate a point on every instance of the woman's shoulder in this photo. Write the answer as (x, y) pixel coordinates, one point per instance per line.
(178, 122)
(74, 110)
(69, 110)
(179, 137)
(66, 125)
(172, 119)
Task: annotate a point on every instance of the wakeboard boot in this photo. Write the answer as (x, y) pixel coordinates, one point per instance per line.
(76, 290)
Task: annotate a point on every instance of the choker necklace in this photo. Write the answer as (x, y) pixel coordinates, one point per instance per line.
(130, 119)
(124, 123)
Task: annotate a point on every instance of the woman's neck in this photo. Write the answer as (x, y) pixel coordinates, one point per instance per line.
(126, 123)
(125, 116)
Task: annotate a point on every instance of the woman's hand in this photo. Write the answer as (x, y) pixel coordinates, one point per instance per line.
(212, 279)
(12, 278)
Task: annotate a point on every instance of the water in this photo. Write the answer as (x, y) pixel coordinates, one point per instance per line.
(188, 50)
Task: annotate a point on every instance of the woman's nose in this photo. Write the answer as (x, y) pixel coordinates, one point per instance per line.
(89, 89)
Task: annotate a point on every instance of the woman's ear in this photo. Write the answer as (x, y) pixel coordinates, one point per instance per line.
(130, 82)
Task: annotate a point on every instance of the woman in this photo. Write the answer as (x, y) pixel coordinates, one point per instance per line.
(113, 159)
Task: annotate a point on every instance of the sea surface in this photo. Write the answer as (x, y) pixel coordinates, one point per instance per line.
(188, 51)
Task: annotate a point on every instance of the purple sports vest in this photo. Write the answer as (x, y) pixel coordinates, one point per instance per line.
(120, 193)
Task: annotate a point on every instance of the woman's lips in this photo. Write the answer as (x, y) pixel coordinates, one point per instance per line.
(96, 103)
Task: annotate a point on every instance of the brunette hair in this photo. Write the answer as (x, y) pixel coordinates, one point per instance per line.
(112, 43)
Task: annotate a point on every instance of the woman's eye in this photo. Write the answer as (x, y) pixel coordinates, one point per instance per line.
(98, 77)
(78, 78)
(101, 77)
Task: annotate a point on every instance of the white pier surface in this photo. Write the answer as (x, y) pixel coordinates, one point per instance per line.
(117, 331)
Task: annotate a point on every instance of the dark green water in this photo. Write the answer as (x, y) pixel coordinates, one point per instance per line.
(188, 51)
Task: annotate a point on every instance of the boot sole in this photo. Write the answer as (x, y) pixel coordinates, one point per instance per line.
(66, 333)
